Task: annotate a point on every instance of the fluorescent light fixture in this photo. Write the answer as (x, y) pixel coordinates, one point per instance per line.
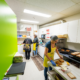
(52, 23)
(29, 21)
(36, 13)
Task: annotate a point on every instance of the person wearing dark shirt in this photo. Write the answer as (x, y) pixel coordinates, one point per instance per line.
(27, 47)
(36, 45)
(50, 49)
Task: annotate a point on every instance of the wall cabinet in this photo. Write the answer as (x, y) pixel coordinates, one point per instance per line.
(56, 29)
(72, 31)
(63, 28)
(71, 28)
(78, 33)
(59, 29)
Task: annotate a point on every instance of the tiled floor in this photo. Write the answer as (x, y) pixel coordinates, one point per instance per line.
(31, 72)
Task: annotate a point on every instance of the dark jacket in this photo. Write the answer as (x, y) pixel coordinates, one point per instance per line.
(28, 41)
(36, 41)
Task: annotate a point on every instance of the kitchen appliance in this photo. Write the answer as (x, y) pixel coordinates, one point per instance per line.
(43, 36)
(64, 50)
(75, 57)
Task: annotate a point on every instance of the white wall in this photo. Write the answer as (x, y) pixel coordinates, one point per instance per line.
(74, 46)
(72, 18)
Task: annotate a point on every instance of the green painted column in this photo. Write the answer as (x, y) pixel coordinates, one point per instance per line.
(17, 78)
(8, 37)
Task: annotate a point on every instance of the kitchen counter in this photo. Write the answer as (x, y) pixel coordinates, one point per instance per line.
(74, 70)
(41, 45)
(41, 49)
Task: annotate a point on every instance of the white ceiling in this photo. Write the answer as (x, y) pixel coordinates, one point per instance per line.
(57, 8)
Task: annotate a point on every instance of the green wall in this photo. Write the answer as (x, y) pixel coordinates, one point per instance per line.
(8, 37)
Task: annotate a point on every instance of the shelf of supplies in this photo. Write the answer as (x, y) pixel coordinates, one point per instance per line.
(23, 37)
(23, 31)
(51, 74)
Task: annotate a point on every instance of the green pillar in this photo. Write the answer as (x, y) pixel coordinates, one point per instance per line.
(8, 37)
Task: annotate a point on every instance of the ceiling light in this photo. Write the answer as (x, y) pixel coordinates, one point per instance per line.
(29, 21)
(52, 23)
(36, 13)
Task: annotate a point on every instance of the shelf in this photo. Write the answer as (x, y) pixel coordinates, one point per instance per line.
(58, 71)
(23, 37)
(23, 31)
(51, 74)
(16, 69)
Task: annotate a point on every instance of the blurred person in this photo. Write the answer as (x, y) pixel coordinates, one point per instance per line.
(50, 48)
(27, 47)
(35, 45)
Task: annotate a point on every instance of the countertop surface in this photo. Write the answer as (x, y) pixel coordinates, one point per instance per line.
(74, 70)
(43, 45)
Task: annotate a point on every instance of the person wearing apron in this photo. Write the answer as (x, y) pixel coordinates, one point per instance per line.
(35, 45)
(27, 47)
(50, 49)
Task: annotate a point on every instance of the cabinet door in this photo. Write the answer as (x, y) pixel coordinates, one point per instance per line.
(63, 29)
(56, 30)
(52, 30)
(78, 34)
(72, 31)
(41, 51)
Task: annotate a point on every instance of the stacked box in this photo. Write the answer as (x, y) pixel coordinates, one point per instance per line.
(18, 58)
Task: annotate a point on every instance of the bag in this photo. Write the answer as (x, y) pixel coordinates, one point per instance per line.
(26, 47)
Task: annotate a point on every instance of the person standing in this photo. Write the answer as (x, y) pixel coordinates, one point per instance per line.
(27, 47)
(35, 45)
(50, 48)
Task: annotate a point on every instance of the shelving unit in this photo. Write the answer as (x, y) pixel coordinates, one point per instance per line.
(51, 74)
(21, 39)
(64, 75)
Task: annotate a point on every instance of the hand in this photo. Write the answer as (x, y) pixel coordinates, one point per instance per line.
(61, 57)
(53, 63)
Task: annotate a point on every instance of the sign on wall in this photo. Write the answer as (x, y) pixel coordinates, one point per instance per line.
(28, 29)
(47, 33)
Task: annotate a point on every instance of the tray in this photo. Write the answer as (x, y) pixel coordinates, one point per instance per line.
(65, 52)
